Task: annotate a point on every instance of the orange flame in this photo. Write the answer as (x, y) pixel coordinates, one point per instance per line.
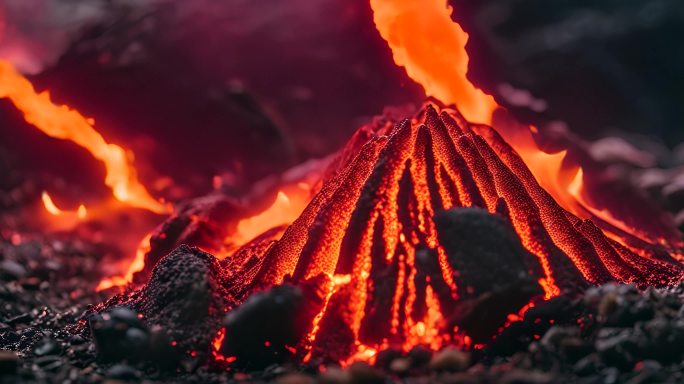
(431, 47)
(288, 205)
(65, 123)
(136, 266)
(50, 206)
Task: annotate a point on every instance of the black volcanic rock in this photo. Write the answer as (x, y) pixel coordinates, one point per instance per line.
(185, 297)
(267, 327)
(493, 280)
(200, 222)
(484, 248)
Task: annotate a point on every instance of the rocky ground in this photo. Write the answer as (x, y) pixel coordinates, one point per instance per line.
(610, 334)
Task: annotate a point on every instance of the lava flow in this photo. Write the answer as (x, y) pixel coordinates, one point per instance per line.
(367, 249)
(64, 123)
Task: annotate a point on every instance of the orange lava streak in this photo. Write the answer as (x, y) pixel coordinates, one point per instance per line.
(52, 209)
(218, 340)
(136, 266)
(64, 123)
(431, 47)
(337, 282)
(287, 206)
(216, 347)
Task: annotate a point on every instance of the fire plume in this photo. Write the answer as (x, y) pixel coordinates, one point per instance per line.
(64, 123)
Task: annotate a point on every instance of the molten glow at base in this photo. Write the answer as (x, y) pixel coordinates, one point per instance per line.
(64, 123)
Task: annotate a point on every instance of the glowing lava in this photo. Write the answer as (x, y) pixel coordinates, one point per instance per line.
(64, 123)
(136, 266)
(373, 222)
(51, 208)
(431, 47)
(288, 205)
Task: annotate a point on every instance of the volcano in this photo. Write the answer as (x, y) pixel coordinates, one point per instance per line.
(445, 237)
(383, 260)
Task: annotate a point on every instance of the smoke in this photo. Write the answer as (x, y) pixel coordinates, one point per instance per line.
(34, 33)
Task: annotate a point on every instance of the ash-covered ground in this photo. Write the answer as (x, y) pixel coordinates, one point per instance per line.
(49, 333)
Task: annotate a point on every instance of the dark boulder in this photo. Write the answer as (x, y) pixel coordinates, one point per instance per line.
(492, 278)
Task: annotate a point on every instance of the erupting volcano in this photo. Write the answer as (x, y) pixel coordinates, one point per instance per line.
(434, 228)
(387, 273)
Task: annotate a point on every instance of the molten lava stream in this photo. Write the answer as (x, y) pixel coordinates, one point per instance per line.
(64, 123)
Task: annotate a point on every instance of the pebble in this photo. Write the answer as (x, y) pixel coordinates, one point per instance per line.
(333, 375)
(460, 378)
(11, 270)
(420, 355)
(295, 378)
(400, 365)
(125, 315)
(49, 362)
(648, 371)
(122, 372)
(520, 376)
(588, 365)
(31, 283)
(450, 360)
(119, 335)
(77, 340)
(362, 373)
(9, 362)
(607, 305)
(137, 338)
(47, 347)
(385, 357)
